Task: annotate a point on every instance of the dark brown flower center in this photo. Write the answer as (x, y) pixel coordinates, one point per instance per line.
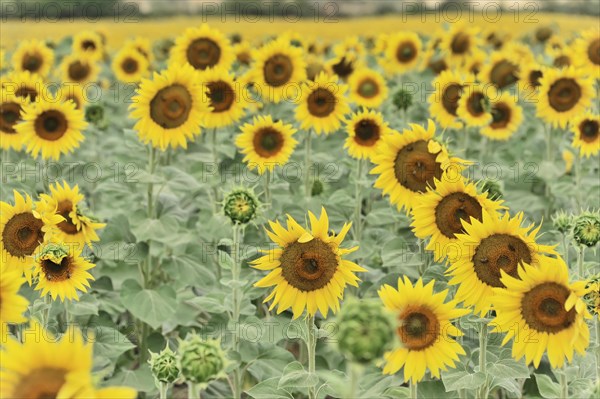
(321, 102)
(22, 234)
(437, 66)
(534, 78)
(503, 74)
(10, 114)
(415, 167)
(64, 208)
(343, 68)
(27, 92)
(56, 272)
(51, 125)
(368, 88)
(308, 266)
(78, 71)
(475, 104)
(452, 210)
(129, 66)
(501, 114)
(543, 34)
(171, 106)
(543, 308)
(278, 70)
(268, 141)
(203, 53)
(588, 130)
(406, 52)
(562, 61)
(40, 383)
(367, 132)
(419, 328)
(88, 45)
(244, 57)
(499, 252)
(450, 96)
(594, 51)
(564, 94)
(221, 96)
(32, 62)
(461, 43)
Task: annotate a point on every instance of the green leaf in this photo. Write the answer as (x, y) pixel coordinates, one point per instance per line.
(548, 388)
(508, 368)
(140, 379)
(151, 306)
(87, 305)
(160, 230)
(268, 389)
(110, 343)
(294, 375)
(461, 379)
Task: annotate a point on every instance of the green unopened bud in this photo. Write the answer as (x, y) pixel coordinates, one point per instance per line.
(53, 252)
(563, 222)
(94, 114)
(201, 361)
(240, 206)
(164, 365)
(592, 298)
(493, 189)
(317, 188)
(402, 99)
(586, 228)
(365, 330)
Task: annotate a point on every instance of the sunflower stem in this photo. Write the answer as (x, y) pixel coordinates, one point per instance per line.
(549, 143)
(578, 180)
(307, 185)
(193, 390)
(267, 181)
(237, 238)
(163, 389)
(358, 198)
(213, 145)
(483, 335)
(413, 386)
(355, 371)
(564, 383)
(565, 248)
(46, 313)
(311, 345)
(465, 140)
(580, 256)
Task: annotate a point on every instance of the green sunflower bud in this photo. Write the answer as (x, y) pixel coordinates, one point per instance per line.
(53, 252)
(562, 221)
(317, 188)
(586, 228)
(493, 189)
(592, 298)
(240, 206)
(402, 99)
(164, 366)
(365, 330)
(94, 114)
(201, 361)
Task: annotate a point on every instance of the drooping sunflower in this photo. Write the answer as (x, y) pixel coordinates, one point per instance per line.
(307, 269)
(169, 108)
(474, 103)
(564, 95)
(488, 246)
(502, 70)
(89, 43)
(366, 130)
(74, 93)
(25, 84)
(410, 162)
(424, 328)
(546, 309)
(530, 74)
(367, 88)
(51, 128)
(266, 143)
(46, 366)
(11, 108)
(507, 116)
(12, 305)
(202, 48)
(22, 230)
(322, 104)
(587, 49)
(129, 65)
(439, 214)
(79, 68)
(342, 67)
(226, 101)
(33, 56)
(586, 129)
(443, 103)
(279, 69)
(402, 52)
(459, 43)
(75, 228)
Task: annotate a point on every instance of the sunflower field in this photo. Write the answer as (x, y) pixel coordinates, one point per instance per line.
(228, 209)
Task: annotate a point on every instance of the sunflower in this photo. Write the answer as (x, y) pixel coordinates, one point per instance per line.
(307, 269)
(89, 43)
(543, 33)
(12, 305)
(443, 102)
(243, 53)
(587, 50)
(586, 129)
(75, 93)
(474, 103)
(46, 366)
(564, 95)
(314, 66)
(11, 108)
(226, 102)
(434, 61)
(351, 48)
(25, 84)
(506, 118)
(23, 230)
(202, 48)
(322, 104)
(169, 108)
(33, 56)
(266, 143)
(475, 63)
(79, 68)
(518, 51)
(459, 43)
(2, 59)
(487, 247)
(550, 312)
(367, 88)
(410, 162)
(424, 328)
(342, 67)
(142, 45)
(129, 65)
(402, 52)
(530, 75)
(502, 70)
(366, 130)
(279, 69)
(439, 213)
(52, 128)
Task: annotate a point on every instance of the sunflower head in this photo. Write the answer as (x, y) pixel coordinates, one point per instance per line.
(402, 99)
(444, 101)
(563, 221)
(241, 206)
(592, 297)
(201, 360)
(402, 52)
(11, 108)
(33, 56)
(164, 365)
(130, 65)
(202, 48)
(586, 129)
(366, 130)
(367, 88)
(586, 228)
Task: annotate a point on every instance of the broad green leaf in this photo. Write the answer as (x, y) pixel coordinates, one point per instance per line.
(151, 306)
(294, 375)
(548, 388)
(268, 389)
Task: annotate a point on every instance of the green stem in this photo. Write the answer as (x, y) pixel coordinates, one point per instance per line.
(549, 149)
(354, 377)
(151, 169)
(465, 140)
(193, 390)
(163, 389)
(237, 239)
(358, 198)
(213, 145)
(46, 313)
(578, 180)
(580, 254)
(311, 346)
(564, 384)
(413, 389)
(307, 185)
(483, 335)
(565, 248)
(267, 182)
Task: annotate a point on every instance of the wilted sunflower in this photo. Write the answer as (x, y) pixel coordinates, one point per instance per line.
(564, 95)
(12, 305)
(74, 93)
(425, 329)
(11, 108)
(586, 129)
(266, 143)
(279, 69)
(487, 247)
(443, 103)
(51, 128)
(546, 310)
(474, 103)
(459, 43)
(402, 52)
(226, 101)
(25, 84)
(45, 366)
(439, 214)
(169, 108)
(89, 43)
(202, 48)
(307, 269)
(502, 70)
(33, 56)
(322, 104)
(587, 50)
(507, 116)
(367, 88)
(409, 163)
(366, 130)
(129, 65)
(79, 68)
(343, 67)
(22, 230)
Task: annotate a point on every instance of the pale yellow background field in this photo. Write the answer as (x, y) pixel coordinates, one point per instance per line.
(14, 31)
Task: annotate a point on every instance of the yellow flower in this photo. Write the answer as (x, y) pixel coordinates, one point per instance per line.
(129, 65)
(12, 305)
(507, 117)
(202, 48)
(11, 108)
(474, 103)
(586, 134)
(75, 93)
(25, 84)
(587, 50)
(402, 52)
(89, 43)
(502, 70)
(366, 130)
(342, 67)
(33, 56)
(226, 101)
(459, 43)
(443, 103)
(79, 68)
(367, 88)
